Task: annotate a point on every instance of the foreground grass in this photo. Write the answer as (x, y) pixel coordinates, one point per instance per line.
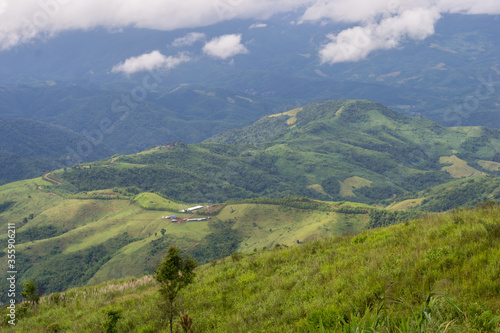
(438, 274)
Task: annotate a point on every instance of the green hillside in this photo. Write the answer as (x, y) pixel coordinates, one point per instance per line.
(28, 148)
(436, 274)
(68, 239)
(337, 150)
(462, 192)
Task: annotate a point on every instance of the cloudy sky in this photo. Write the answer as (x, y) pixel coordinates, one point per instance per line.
(374, 24)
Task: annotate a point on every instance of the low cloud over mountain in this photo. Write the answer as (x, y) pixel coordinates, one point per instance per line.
(150, 61)
(224, 47)
(375, 24)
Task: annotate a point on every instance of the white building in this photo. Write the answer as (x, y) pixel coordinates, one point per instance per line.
(190, 209)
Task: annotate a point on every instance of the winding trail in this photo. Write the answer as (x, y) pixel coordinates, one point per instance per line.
(46, 176)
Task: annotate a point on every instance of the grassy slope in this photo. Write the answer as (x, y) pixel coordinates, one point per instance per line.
(100, 239)
(153, 201)
(284, 290)
(267, 225)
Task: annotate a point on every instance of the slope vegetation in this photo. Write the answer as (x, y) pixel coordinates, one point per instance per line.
(466, 192)
(436, 274)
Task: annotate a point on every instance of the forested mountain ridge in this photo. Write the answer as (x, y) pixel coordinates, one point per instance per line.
(28, 148)
(351, 149)
(181, 112)
(430, 77)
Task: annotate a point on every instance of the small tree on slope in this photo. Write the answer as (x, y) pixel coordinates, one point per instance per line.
(173, 274)
(30, 293)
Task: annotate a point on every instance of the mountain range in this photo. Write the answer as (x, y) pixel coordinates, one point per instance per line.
(330, 168)
(335, 150)
(450, 78)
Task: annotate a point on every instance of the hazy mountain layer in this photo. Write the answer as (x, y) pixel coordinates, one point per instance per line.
(28, 148)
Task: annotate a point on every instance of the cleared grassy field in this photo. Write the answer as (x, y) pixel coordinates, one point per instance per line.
(403, 205)
(458, 168)
(490, 165)
(318, 188)
(268, 225)
(28, 198)
(153, 201)
(351, 183)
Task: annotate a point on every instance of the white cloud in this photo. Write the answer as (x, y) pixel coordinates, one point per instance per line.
(225, 46)
(356, 43)
(257, 25)
(3, 6)
(148, 62)
(23, 21)
(189, 39)
(346, 11)
(383, 24)
(470, 7)
(364, 11)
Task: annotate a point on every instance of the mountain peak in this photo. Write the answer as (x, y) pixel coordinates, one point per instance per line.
(333, 116)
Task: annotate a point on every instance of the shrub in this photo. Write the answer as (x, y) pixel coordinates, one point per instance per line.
(236, 257)
(111, 321)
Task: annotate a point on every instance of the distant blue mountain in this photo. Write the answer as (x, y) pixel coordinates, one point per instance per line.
(449, 77)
